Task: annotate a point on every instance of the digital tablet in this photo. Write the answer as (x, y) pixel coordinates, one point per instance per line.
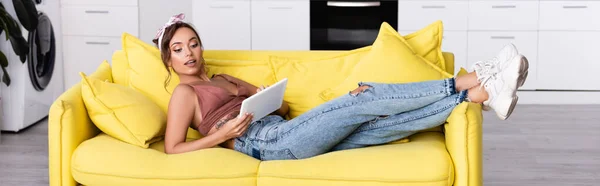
(264, 102)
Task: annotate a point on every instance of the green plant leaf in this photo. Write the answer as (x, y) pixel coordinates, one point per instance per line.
(10, 23)
(5, 77)
(23, 58)
(3, 60)
(20, 47)
(26, 13)
(3, 21)
(17, 45)
(2, 27)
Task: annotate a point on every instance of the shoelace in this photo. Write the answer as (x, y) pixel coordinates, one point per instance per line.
(486, 70)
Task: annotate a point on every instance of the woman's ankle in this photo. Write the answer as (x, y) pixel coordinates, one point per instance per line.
(466, 82)
(477, 95)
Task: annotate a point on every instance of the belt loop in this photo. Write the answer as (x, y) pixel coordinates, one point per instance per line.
(256, 153)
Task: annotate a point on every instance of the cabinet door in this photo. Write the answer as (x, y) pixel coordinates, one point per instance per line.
(503, 15)
(99, 20)
(485, 45)
(101, 2)
(155, 14)
(84, 54)
(569, 15)
(569, 60)
(456, 43)
(415, 15)
(281, 25)
(223, 24)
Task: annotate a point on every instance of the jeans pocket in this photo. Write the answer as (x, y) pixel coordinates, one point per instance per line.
(283, 154)
(267, 132)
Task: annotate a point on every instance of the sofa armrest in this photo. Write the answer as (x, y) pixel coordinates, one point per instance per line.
(463, 133)
(68, 126)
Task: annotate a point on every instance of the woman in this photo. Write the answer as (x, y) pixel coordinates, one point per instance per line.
(372, 114)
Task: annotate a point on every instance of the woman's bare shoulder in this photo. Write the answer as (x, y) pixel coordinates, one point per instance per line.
(183, 92)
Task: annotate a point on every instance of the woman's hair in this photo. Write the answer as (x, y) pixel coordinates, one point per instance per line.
(165, 53)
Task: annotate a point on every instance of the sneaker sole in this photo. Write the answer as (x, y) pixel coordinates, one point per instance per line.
(524, 71)
(511, 108)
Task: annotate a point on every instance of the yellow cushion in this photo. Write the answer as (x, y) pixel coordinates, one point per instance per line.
(308, 78)
(254, 72)
(120, 68)
(104, 160)
(146, 73)
(391, 60)
(427, 43)
(122, 112)
(422, 161)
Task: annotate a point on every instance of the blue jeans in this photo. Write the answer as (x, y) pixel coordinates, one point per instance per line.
(380, 114)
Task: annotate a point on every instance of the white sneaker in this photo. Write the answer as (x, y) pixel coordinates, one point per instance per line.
(502, 84)
(497, 64)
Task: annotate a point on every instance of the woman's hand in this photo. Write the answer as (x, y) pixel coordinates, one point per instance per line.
(261, 88)
(236, 127)
(283, 110)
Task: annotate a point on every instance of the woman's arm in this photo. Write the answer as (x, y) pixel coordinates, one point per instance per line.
(181, 113)
(283, 111)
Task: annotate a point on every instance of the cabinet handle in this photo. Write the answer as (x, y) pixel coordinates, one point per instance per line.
(281, 8)
(502, 37)
(504, 6)
(97, 43)
(574, 7)
(96, 11)
(353, 4)
(433, 7)
(222, 7)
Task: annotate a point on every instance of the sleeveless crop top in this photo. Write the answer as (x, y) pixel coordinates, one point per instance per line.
(217, 103)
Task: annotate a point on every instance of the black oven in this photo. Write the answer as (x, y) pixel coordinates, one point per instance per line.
(349, 24)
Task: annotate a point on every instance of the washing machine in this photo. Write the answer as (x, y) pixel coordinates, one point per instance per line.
(36, 83)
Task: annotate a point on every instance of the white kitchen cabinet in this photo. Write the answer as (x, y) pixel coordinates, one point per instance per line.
(223, 24)
(485, 45)
(503, 15)
(92, 20)
(569, 15)
(415, 15)
(101, 2)
(280, 25)
(456, 43)
(568, 60)
(155, 13)
(85, 54)
(92, 31)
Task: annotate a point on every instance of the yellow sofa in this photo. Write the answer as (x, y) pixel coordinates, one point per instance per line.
(80, 153)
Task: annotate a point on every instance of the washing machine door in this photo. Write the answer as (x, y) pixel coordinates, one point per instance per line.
(42, 53)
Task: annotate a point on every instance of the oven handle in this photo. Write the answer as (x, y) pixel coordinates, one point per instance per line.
(353, 4)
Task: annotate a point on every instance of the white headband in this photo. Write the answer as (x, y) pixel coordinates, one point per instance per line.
(161, 32)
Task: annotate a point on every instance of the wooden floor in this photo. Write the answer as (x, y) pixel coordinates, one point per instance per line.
(538, 145)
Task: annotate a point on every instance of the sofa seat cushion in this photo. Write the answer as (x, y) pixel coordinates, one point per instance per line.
(422, 161)
(104, 160)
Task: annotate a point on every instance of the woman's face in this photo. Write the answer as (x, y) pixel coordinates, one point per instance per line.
(186, 52)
